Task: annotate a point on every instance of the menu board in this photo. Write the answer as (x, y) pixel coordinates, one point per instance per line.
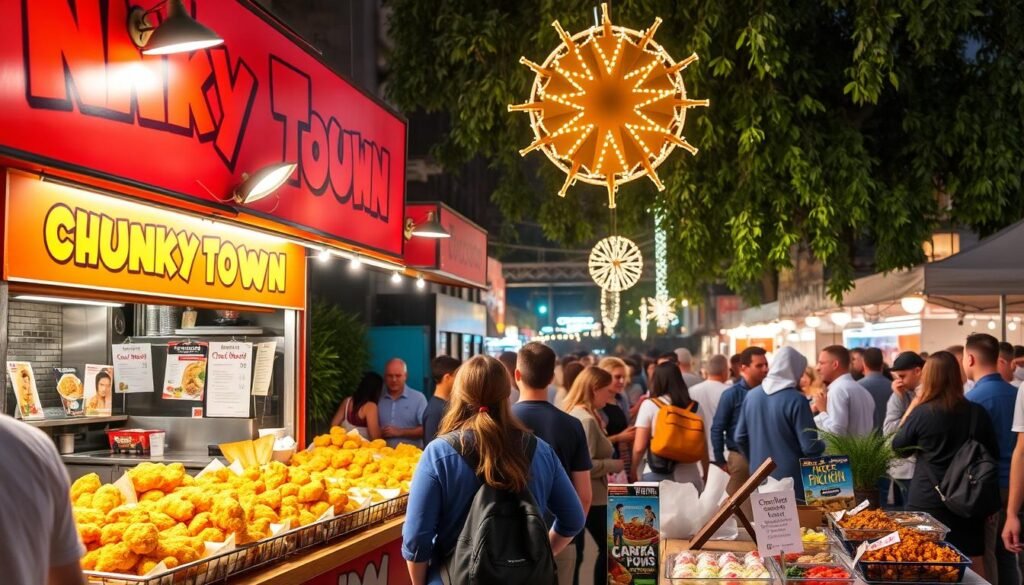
(23, 380)
(227, 388)
(263, 371)
(99, 389)
(828, 482)
(185, 374)
(133, 367)
(71, 390)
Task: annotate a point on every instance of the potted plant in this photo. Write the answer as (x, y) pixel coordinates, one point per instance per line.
(870, 457)
(339, 355)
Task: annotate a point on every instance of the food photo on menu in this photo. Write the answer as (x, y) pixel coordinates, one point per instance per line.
(71, 390)
(99, 389)
(185, 375)
(24, 382)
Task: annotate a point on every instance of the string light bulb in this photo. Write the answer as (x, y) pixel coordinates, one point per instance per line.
(420, 283)
(323, 255)
(640, 83)
(396, 278)
(355, 263)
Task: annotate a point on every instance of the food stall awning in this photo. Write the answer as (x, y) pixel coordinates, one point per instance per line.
(974, 279)
(884, 288)
(460, 259)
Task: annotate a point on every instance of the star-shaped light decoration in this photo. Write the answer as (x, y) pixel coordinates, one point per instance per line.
(662, 310)
(615, 263)
(608, 105)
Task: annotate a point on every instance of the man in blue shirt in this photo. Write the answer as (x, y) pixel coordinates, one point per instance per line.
(998, 397)
(753, 369)
(401, 407)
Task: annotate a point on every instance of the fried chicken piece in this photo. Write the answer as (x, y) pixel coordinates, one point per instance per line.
(87, 484)
(146, 565)
(116, 558)
(211, 534)
(112, 533)
(142, 538)
(319, 508)
(161, 520)
(146, 476)
(179, 529)
(337, 498)
(183, 548)
(264, 511)
(290, 489)
(178, 508)
(228, 515)
(270, 498)
(84, 500)
(89, 560)
(292, 501)
(88, 516)
(202, 521)
(121, 513)
(311, 492)
(305, 518)
(106, 498)
(152, 496)
(298, 475)
(90, 533)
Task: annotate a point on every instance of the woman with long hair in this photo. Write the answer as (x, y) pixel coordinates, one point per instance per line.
(936, 424)
(443, 487)
(592, 391)
(668, 387)
(359, 411)
(569, 373)
(616, 414)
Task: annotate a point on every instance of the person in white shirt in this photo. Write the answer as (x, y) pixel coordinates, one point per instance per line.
(709, 392)
(847, 408)
(37, 529)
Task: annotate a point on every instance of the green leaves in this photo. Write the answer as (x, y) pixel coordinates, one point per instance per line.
(830, 123)
(339, 353)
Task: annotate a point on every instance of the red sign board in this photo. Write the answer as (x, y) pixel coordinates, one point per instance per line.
(76, 94)
(462, 257)
(383, 566)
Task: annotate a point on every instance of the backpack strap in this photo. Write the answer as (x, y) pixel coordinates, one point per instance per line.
(693, 406)
(974, 421)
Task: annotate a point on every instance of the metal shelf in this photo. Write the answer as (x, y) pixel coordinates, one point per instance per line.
(77, 421)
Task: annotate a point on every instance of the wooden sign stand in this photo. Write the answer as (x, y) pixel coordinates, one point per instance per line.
(731, 507)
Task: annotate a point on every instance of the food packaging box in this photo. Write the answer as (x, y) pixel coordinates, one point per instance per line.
(130, 441)
(633, 534)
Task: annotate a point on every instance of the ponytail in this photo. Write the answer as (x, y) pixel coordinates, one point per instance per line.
(479, 405)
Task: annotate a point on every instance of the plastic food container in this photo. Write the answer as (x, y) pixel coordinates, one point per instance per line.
(914, 572)
(130, 441)
(814, 573)
(720, 564)
(921, 522)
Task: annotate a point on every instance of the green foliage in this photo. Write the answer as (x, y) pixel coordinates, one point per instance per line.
(870, 455)
(339, 354)
(829, 121)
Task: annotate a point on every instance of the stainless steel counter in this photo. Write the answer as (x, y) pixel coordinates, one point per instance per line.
(76, 421)
(188, 458)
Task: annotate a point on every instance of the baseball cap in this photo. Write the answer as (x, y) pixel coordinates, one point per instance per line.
(907, 360)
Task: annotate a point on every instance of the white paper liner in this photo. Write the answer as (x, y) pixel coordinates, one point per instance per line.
(214, 465)
(236, 466)
(127, 489)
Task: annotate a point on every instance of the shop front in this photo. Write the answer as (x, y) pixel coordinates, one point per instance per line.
(160, 213)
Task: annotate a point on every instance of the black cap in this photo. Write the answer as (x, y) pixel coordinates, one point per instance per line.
(907, 360)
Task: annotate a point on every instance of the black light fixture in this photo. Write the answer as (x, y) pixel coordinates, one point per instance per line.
(178, 33)
(263, 182)
(428, 229)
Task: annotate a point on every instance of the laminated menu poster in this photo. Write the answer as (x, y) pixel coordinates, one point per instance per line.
(633, 534)
(227, 388)
(71, 390)
(185, 374)
(23, 380)
(99, 389)
(133, 367)
(828, 482)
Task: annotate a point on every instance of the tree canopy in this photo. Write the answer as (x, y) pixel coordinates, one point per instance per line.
(829, 121)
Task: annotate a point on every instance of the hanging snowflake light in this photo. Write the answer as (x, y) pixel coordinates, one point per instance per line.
(643, 321)
(662, 310)
(610, 306)
(608, 105)
(615, 264)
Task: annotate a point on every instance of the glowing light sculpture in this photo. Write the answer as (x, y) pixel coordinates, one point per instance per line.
(610, 307)
(615, 264)
(608, 105)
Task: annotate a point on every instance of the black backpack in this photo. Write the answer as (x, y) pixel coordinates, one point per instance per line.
(970, 487)
(504, 539)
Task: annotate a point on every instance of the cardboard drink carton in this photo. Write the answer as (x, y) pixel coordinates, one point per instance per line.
(633, 534)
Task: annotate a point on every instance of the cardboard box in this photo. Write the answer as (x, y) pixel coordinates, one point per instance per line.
(633, 534)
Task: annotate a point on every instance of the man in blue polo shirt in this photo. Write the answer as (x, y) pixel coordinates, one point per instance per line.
(998, 397)
(401, 407)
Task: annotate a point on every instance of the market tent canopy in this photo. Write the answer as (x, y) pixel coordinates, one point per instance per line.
(972, 280)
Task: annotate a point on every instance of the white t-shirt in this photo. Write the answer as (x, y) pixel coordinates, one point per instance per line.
(683, 472)
(1018, 414)
(708, 394)
(36, 526)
